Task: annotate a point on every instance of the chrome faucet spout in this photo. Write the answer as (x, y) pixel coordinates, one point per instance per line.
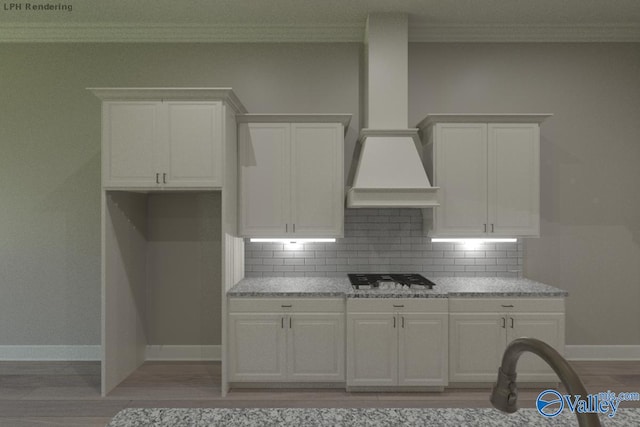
(504, 395)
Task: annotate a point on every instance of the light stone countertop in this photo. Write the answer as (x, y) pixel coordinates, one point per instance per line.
(291, 287)
(353, 417)
(446, 287)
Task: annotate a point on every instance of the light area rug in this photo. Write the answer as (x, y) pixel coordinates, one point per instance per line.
(351, 417)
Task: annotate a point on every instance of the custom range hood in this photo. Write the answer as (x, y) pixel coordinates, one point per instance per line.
(389, 171)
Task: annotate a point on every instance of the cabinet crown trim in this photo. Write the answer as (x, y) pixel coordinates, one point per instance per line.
(224, 94)
(432, 119)
(343, 119)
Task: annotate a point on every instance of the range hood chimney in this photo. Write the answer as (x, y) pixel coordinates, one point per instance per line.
(389, 171)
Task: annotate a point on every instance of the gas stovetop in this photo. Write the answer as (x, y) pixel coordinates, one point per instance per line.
(390, 281)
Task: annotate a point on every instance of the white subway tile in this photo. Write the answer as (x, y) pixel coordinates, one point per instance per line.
(262, 268)
(283, 254)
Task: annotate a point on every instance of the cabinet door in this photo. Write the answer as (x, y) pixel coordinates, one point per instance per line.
(548, 327)
(257, 347)
(264, 160)
(461, 174)
(315, 347)
(514, 179)
(372, 349)
(129, 144)
(317, 182)
(423, 349)
(476, 344)
(193, 144)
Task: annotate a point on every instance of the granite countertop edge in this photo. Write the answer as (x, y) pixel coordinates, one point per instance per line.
(446, 287)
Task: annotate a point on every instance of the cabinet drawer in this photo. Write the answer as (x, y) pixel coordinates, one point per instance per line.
(381, 305)
(278, 305)
(501, 305)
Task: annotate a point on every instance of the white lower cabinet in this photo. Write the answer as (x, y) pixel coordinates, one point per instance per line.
(397, 342)
(288, 339)
(390, 342)
(257, 347)
(480, 330)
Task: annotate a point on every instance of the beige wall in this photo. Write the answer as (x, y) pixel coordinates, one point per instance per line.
(590, 156)
(50, 158)
(50, 155)
(184, 268)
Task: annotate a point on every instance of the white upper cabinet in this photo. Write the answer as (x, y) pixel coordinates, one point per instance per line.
(165, 138)
(193, 153)
(488, 171)
(265, 159)
(129, 135)
(514, 179)
(291, 173)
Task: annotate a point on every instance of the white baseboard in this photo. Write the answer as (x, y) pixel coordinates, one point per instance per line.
(184, 352)
(50, 352)
(602, 352)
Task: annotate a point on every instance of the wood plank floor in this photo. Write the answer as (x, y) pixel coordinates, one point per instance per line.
(68, 393)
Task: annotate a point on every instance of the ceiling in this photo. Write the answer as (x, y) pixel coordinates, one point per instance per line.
(322, 20)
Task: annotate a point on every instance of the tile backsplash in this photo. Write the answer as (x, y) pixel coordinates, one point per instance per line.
(383, 241)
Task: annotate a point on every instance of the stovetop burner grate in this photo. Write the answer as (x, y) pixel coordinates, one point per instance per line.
(368, 281)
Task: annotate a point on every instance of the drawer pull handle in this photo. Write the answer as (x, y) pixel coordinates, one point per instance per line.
(164, 178)
(290, 322)
(394, 322)
(282, 322)
(510, 305)
(504, 323)
(157, 178)
(398, 306)
(512, 323)
(403, 322)
(286, 306)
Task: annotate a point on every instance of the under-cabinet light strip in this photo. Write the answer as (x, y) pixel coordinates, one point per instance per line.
(294, 240)
(479, 240)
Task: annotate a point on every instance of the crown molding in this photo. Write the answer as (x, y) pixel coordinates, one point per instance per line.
(175, 33)
(338, 33)
(524, 33)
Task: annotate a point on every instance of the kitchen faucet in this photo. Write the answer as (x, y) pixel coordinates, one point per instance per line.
(504, 395)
